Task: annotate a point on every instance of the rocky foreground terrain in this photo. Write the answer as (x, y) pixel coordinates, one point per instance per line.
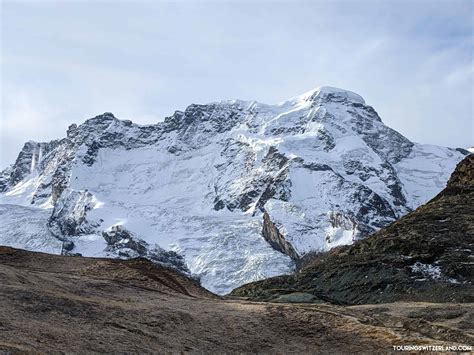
(425, 256)
(51, 303)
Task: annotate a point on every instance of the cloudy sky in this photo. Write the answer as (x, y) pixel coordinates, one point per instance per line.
(64, 62)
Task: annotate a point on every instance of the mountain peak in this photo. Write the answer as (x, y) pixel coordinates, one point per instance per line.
(322, 167)
(106, 116)
(329, 92)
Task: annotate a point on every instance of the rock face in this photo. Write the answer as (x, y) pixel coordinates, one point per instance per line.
(240, 189)
(461, 181)
(124, 243)
(273, 236)
(69, 214)
(425, 256)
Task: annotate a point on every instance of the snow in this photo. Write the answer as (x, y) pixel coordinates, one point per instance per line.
(327, 90)
(339, 236)
(331, 154)
(23, 192)
(167, 202)
(302, 220)
(431, 272)
(92, 245)
(425, 171)
(25, 228)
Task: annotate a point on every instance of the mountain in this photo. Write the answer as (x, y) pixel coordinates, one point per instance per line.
(66, 304)
(228, 192)
(425, 256)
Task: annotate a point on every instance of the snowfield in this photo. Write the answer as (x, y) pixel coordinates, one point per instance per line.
(322, 165)
(25, 228)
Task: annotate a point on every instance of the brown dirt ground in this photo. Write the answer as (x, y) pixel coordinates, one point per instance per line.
(82, 305)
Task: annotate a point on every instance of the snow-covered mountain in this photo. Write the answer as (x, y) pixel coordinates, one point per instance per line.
(231, 192)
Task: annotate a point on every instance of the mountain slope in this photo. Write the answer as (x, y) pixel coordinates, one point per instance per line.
(52, 303)
(425, 256)
(237, 190)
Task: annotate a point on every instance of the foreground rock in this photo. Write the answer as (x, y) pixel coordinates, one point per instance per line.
(425, 256)
(53, 303)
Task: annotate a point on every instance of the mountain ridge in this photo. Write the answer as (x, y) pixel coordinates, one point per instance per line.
(321, 166)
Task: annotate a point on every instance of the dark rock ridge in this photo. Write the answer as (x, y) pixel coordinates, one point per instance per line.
(425, 256)
(119, 238)
(128, 245)
(69, 214)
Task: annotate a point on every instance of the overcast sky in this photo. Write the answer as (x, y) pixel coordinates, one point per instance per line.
(64, 62)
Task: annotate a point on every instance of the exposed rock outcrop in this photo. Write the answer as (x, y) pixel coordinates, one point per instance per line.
(273, 236)
(118, 238)
(127, 245)
(69, 216)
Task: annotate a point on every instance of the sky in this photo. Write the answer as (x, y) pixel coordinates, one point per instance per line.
(65, 61)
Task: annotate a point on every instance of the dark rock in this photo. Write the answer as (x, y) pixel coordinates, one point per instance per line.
(168, 258)
(68, 245)
(273, 236)
(118, 237)
(23, 163)
(463, 151)
(5, 179)
(91, 154)
(127, 245)
(69, 216)
(71, 131)
(218, 204)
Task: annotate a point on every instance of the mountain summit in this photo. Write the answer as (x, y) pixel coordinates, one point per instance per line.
(230, 192)
(328, 92)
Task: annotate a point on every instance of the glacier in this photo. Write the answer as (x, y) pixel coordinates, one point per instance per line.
(239, 189)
